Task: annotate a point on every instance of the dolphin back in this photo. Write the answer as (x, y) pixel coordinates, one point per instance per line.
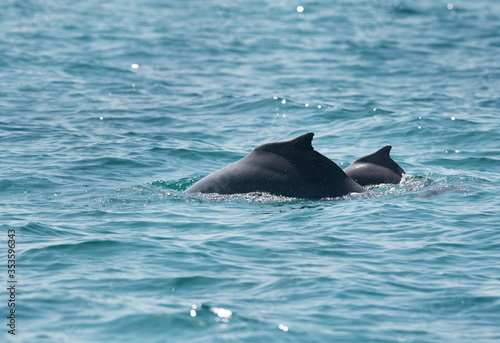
(375, 169)
(290, 168)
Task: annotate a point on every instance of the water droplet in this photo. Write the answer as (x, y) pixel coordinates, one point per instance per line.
(283, 101)
(134, 66)
(300, 9)
(449, 6)
(193, 313)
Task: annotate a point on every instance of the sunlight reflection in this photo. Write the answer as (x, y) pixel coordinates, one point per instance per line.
(283, 327)
(222, 312)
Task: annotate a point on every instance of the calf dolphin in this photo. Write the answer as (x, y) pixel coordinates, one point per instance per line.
(290, 168)
(375, 169)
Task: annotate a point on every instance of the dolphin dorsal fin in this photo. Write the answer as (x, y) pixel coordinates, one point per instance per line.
(382, 158)
(378, 156)
(303, 142)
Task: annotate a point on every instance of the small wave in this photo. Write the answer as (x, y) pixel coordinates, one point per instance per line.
(83, 247)
(28, 184)
(253, 197)
(178, 185)
(41, 230)
(421, 186)
(91, 163)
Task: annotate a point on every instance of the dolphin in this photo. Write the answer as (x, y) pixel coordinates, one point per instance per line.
(375, 169)
(290, 168)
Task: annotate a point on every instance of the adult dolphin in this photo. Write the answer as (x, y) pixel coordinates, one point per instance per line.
(375, 169)
(290, 168)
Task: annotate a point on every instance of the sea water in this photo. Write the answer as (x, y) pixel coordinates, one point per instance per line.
(109, 110)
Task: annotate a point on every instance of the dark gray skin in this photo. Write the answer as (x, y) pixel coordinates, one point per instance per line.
(291, 168)
(375, 169)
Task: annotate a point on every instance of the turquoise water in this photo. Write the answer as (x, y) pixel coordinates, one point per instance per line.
(110, 109)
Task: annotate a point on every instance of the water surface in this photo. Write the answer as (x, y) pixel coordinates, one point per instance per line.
(109, 110)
